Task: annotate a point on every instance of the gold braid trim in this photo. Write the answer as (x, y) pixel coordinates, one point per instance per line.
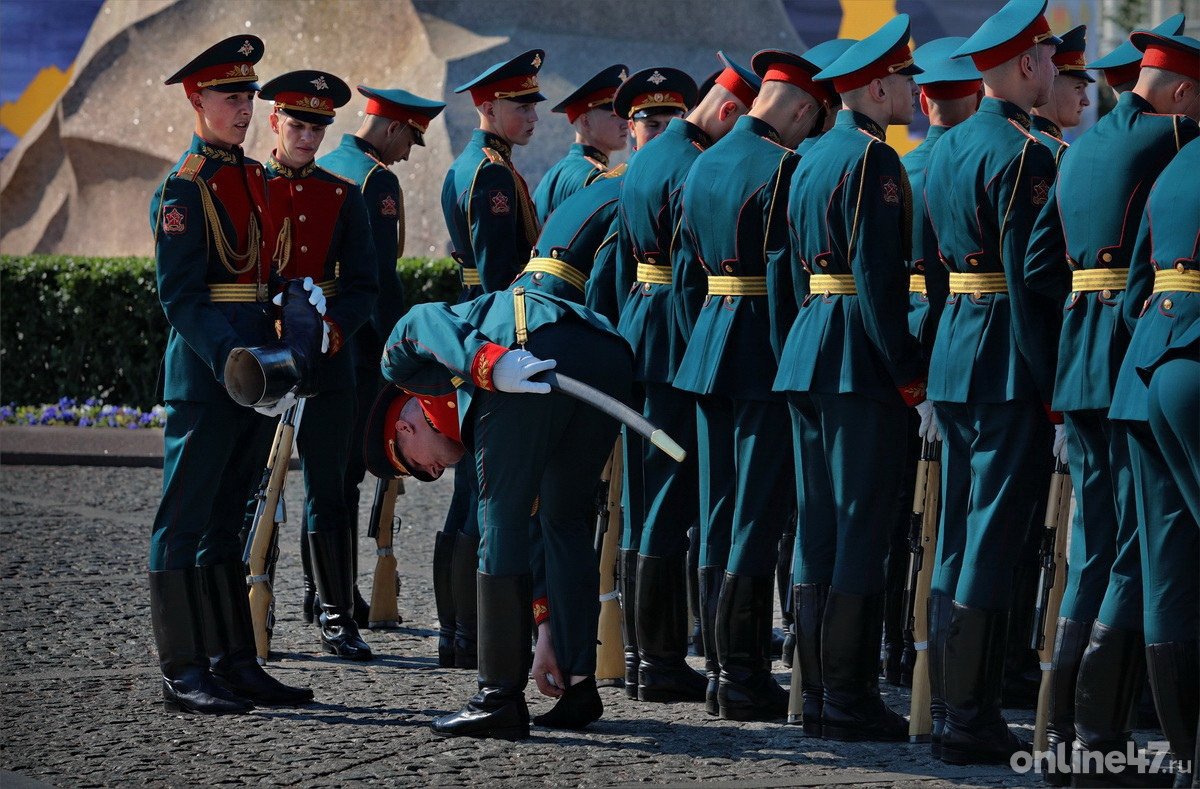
(283, 246)
(225, 250)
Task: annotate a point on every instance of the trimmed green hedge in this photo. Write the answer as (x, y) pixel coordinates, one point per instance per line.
(93, 327)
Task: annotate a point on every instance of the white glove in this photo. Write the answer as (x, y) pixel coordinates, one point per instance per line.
(929, 429)
(515, 368)
(316, 296)
(1060, 443)
(324, 333)
(284, 403)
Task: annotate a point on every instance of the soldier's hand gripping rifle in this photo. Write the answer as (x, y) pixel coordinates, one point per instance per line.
(610, 652)
(386, 584)
(262, 546)
(1051, 584)
(923, 547)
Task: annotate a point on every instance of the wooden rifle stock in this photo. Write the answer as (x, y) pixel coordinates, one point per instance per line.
(924, 550)
(267, 516)
(610, 650)
(384, 612)
(1051, 585)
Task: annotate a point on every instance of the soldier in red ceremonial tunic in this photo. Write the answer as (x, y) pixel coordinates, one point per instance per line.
(323, 232)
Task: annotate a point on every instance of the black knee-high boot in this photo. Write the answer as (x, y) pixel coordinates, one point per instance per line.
(696, 638)
(627, 588)
(711, 579)
(783, 580)
(662, 632)
(187, 682)
(1175, 683)
(850, 637)
(938, 608)
(1070, 640)
(331, 570)
(443, 595)
(893, 613)
(229, 634)
(309, 607)
(972, 672)
(464, 572)
(498, 710)
(809, 602)
(747, 690)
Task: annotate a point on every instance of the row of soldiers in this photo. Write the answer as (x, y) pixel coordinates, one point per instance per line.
(799, 310)
(793, 315)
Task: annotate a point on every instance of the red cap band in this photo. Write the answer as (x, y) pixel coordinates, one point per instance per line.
(589, 102)
(1037, 32)
(510, 88)
(1172, 59)
(947, 91)
(396, 113)
(733, 82)
(220, 74)
(801, 78)
(898, 58)
(1119, 75)
(389, 433)
(1070, 61)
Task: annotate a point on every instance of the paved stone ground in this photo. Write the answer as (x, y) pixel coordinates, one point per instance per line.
(80, 705)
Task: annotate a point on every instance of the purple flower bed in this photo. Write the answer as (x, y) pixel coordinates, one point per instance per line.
(90, 413)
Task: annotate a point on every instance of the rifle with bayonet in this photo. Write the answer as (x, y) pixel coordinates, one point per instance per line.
(1051, 584)
(262, 545)
(923, 548)
(610, 650)
(384, 612)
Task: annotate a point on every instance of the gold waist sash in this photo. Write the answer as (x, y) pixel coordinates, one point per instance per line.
(978, 283)
(737, 286)
(557, 268)
(1172, 279)
(916, 283)
(655, 275)
(470, 277)
(1099, 279)
(231, 292)
(832, 284)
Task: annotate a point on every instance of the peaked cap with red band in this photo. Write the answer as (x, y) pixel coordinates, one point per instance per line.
(400, 105)
(881, 54)
(1124, 63)
(1069, 55)
(515, 79)
(1016, 27)
(738, 80)
(226, 67)
(380, 449)
(309, 96)
(775, 65)
(1177, 54)
(596, 92)
(945, 78)
(655, 90)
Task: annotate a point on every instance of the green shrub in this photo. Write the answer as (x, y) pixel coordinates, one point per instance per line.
(93, 327)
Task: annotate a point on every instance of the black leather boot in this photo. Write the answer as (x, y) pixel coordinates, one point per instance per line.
(747, 690)
(850, 637)
(809, 604)
(627, 588)
(362, 609)
(896, 576)
(1175, 682)
(696, 639)
(463, 572)
(1022, 671)
(711, 579)
(187, 683)
(1070, 639)
(331, 569)
(498, 710)
(309, 609)
(976, 732)
(939, 608)
(783, 580)
(663, 625)
(443, 596)
(229, 634)
(578, 706)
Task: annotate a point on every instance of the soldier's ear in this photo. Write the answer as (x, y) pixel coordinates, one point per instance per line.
(196, 99)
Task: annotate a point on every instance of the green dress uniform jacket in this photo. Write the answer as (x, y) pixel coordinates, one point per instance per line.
(1166, 267)
(1091, 242)
(215, 288)
(734, 230)
(848, 362)
(489, 215)
(582, 165)
(547, 449)
(928, 286)
(992, 367)
(1048, 134)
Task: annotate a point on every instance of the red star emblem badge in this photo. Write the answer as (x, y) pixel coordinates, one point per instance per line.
(387, 206)
(1041, 190)
(175, 221)
(891, 191)
(499, 202)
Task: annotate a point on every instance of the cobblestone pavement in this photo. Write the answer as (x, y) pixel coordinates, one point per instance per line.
(80, 705)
